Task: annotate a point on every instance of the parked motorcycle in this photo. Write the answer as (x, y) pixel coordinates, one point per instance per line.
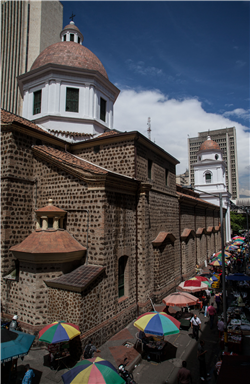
(128, 377)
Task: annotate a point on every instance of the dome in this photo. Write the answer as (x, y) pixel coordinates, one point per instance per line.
(70, 54)
(71, 26)
(209, 145)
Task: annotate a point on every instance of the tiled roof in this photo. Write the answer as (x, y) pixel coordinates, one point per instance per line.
(69, 159)
(209, 145)
(8, 117)
(187, 232)
(161, 237)
(210, 229)
(50, 208)
(197, 199)
(70, 54)
(200, 231)
(71, 134)
(108, 133)
(50, 241)
(71, 26)
(78, 279)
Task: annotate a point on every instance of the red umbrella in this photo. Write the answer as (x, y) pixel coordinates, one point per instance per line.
(180, 299)
(201, 278)
(192, 286)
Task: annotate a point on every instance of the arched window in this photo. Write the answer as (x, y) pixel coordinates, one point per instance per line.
(208, 177)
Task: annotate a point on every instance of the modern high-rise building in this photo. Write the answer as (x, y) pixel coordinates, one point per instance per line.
(226, 138)
(27, 28)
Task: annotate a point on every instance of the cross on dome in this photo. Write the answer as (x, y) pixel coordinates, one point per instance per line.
(72, 17)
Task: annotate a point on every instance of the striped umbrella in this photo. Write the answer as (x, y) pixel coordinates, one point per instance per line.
(157, 323)
(93, 371)
(58, 331)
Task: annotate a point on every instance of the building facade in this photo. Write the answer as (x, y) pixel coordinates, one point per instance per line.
(210, 178)
(27, 28)
(226, 138)
(93, 225)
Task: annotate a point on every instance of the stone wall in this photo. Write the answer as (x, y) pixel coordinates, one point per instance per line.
(158, 172)
(17, 188)
(117, 157)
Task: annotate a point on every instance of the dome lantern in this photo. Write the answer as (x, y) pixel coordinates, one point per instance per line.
(71, 33)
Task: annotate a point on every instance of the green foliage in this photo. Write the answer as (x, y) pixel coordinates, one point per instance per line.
(238, 221)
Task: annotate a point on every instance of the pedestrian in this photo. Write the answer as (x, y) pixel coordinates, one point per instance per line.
(14, 324)
(201, 352)
(184, 374)
(220, 326)
(89, 350)
(196, 326)
(29, 374)
(205, 304)
(211, 311)
(218, 301)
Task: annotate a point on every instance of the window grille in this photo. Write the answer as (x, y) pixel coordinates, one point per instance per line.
(72, 99)
(37, 102)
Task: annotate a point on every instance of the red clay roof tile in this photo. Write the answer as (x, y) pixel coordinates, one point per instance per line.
(70, 54)
(50, 241)
(8, 117)
(69, 159)
(161, 237)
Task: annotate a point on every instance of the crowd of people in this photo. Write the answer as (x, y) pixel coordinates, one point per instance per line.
(214, 306)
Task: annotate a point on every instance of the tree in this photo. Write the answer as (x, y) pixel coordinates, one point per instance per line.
(238, 221)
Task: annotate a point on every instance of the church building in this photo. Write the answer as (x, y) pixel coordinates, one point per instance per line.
(94, 226)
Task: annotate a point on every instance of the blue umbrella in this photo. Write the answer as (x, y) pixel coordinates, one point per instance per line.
(14, 344)
(214, 278)
(238, 277)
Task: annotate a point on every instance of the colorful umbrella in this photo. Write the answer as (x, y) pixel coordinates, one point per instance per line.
(213, 278)
(238, 238)
(91, 371)
(219, 254)
(231, 248)
(192, 286)
(205, 281)
(58, 331)
(180, 299)
(157, 323)
(14, 344)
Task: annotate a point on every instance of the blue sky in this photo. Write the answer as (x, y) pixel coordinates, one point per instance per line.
(184, 64)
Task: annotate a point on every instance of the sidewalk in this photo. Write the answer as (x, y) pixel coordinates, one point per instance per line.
(180, 347)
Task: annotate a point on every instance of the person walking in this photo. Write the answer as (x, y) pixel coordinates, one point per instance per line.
(89, 350)
(29, 374)
(184, 375)
(205, 304)
(196, 326)
(211, 311)
(218, 301)
(201, 352)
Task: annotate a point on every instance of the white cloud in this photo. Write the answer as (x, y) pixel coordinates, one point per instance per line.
(172, 121)
(239, 112)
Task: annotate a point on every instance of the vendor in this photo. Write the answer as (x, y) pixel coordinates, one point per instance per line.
(53, 350)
